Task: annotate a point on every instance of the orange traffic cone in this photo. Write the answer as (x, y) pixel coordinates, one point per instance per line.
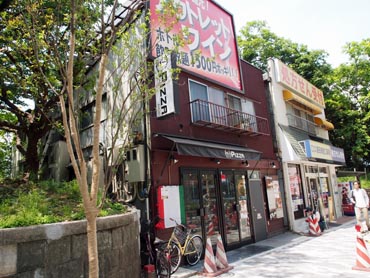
(209, 260)
(221, 259)
(362, 256)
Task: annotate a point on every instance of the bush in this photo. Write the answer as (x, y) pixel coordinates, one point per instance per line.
(46, 202)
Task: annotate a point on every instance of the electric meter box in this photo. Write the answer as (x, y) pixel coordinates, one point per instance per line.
(135, 164)
(170, 202)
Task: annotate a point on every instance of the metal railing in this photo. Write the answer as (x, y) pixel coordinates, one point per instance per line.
(301, 123)
(216, 116)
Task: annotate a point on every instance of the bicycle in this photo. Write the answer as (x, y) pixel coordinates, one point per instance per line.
(157, 251)
(183, 244)
(162, 263)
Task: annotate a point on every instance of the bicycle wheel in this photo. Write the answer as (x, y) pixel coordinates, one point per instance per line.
(175, 257)
(194, 250)
(162, 264)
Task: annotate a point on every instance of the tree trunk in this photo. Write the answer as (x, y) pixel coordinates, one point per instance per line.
(92, 242)
(32, 161)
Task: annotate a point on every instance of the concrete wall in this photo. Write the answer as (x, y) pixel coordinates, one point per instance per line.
(60, 250)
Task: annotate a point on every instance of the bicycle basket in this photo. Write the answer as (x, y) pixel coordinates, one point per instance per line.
(180, 233)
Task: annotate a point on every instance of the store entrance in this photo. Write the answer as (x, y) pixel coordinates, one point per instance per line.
(320, 196)
(216, 202)
(235, 209)
(313, 194)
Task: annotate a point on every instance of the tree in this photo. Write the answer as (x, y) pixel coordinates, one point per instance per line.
(28, 40)
(348, 104)
(257, 43)
(94, 49)
(346, 88)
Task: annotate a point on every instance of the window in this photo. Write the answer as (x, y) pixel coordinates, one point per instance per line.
(216, 96)
(234, 103)
(88, 113)
(207, 103)
(234, 116)
(274, 200)
(296, 190)
(199, 102)
(87, 117)
(298, 119)
(218, 107)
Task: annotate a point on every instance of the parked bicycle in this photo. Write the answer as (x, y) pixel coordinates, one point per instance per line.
(183, 244)
(157, 251)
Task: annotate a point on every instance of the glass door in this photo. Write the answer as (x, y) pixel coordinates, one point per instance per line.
(313, 193)
(201, 206)
(210, 205)
(192, 201)
(216, 206)
(234, 199)
(243, 200)
(230, 207)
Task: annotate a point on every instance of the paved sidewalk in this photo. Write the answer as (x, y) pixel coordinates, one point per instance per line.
(291, 255)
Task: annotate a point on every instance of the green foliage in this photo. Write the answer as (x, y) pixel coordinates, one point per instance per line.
(365, 181)
(257, 43)
(346, 89)
(5, 155)
(45, 202)
(348, 104)
(34, 41)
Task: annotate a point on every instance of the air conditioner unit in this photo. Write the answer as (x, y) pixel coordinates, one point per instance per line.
(135, 159)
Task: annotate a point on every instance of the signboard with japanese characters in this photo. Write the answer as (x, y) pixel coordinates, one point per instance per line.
(297, 83)
(210, 49)
(316, 149)
(164, 94)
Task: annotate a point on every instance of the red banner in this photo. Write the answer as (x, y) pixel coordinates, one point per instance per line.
(210, 48)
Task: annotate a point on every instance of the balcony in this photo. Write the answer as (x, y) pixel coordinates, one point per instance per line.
(215, 116)
(301, 124)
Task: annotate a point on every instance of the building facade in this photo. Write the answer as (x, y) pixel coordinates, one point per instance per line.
(213, 163)
(215, 150)
(308, 158)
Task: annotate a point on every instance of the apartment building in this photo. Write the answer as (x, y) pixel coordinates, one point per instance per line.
(213, 163)
(309, 160)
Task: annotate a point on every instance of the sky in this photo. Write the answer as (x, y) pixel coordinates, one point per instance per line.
(320, 24)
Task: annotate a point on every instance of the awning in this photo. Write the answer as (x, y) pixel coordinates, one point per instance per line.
(324, 123)
(289, 96)
(192, 147)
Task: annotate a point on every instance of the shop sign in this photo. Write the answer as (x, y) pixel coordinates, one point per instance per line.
(292, 80)
(164, 95)
(210, 49)
(338, 154)
(317, 150)
(234, 155)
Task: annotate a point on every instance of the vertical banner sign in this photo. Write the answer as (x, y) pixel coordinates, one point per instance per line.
(164, 86)
(210, 45)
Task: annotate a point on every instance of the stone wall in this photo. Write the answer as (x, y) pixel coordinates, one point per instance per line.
(60, 250)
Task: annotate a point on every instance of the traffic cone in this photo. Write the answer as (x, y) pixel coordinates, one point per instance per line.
(209, 260)
(362, 256)
(313, 224)
(211, 229)
(221, 259)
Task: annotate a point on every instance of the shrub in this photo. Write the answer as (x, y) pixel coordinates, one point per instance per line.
(45, 202)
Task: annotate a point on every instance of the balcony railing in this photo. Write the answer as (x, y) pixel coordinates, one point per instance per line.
(301, 124)
(212, 115)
